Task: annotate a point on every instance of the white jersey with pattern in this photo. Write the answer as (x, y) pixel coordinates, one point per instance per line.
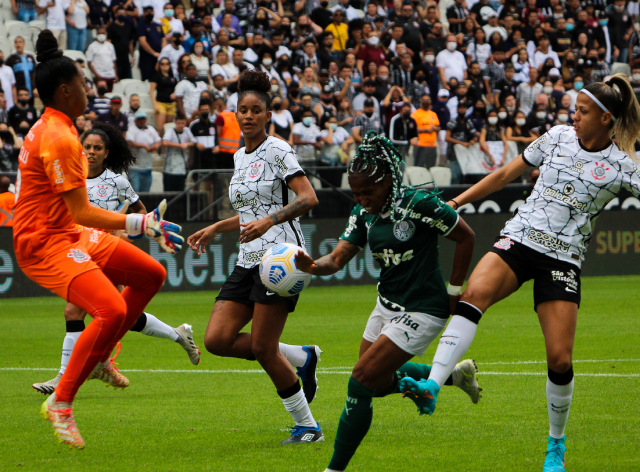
(574, 186)
(258, 187)
(109, 190)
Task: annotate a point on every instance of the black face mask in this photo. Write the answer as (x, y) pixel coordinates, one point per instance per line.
(148, 17)
(406, 115)
(204, 116)
(24, 103)
(326, 100)
(177, 42)
(480, 111)
(461, 114)
(102, 90)
(369, 114)
(294, 93)
(420, 78)
(1, 62)
(601, 55)
(277, 106)
(284, 63)
(121, 18)
(570, 62)
(25, 130)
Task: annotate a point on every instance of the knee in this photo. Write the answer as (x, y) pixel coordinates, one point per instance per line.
(559, 362)
(363, 375)
(264, 352)
(217, 344)
(114, 313)
(73, 313)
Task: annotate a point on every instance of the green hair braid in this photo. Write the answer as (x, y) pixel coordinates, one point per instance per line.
(376, 157)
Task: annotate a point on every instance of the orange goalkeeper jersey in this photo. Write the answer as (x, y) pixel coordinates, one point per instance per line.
(51, 162)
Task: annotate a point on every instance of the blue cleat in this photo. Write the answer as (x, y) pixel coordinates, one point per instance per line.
(423, 393)
(304, 434)
(554, 462)
(307, 372)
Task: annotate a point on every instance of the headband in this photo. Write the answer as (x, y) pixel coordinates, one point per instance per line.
(598, 102)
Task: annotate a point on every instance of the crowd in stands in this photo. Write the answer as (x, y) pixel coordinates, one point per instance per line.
(427, 75)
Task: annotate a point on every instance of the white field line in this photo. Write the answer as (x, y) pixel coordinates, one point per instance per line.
(481, 363)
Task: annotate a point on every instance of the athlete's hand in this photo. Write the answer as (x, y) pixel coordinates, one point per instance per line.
(453, 301)
(255, 229)
(304, 262)
(165, 233)
(199, 240)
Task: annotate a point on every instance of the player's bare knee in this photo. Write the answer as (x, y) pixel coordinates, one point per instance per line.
(217, 344)
(363, 374)
(560, 362)
(73, 313)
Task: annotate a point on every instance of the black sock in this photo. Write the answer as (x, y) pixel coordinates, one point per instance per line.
(140, 323)
(291, 391)
(75, 326)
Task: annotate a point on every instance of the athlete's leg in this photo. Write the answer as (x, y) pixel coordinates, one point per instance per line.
(74, 319)
(491, 281)
(374, 370)
(223, 336)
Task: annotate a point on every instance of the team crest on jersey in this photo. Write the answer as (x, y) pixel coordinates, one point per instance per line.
(599, 171)
(504, 243)
(78, 256)
(255, 171)
(404, 230)
(103, 191)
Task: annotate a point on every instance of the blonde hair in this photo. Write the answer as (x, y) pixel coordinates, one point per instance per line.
(617, 95)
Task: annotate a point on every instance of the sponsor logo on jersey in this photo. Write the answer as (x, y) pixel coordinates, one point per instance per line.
(24, 155)
(577, 167)
(405, 319)
(548, 241)
(94, 236)
(57, 168)
(433, 223)
(255, 171)
(240, 202)
(504, 243)
(599, 172)
(353, 223)
(565, 197)
(78, 256)
(388, 257)
(569, 278)
(254, 256)
(280, 165)
(404, 230)
(30, 135)
(636, 170)
(537, 143)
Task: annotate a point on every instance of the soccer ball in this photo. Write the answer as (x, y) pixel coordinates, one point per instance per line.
(279, 273)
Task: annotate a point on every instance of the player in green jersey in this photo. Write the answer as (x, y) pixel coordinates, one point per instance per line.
(401, 226)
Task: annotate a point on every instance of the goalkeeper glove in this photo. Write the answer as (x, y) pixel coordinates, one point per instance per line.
(165, 233)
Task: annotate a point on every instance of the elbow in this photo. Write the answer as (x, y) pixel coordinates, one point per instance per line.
(312, 201)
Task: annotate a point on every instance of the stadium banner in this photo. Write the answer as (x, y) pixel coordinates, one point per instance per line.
(614, 250)
(474, 161)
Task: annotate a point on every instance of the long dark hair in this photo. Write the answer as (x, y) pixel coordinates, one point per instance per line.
(53, 68)
(120, 156)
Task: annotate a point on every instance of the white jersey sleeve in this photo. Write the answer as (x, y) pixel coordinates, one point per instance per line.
(109, 190)
(631, 180)
(535, 152)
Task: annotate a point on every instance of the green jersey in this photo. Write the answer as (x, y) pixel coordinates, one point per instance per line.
(407, 252)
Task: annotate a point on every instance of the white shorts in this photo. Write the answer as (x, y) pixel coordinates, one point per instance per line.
(410, 331)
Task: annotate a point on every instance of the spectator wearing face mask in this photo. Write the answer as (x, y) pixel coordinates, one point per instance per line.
(417, 88)
(152, 40)
(201, 61)
(578, 84)
(403, 130)
(492, 133)
(539, 120)
(120, 33)
(451, 63)
(371, 52)
(101, 103)
(528, 91)
(519, 133)
(459, 131)
(367, 121)
(101, 58)
(426, 151)
(22, 112)
(563, 118)
(479, 115)
(307, 139)
(188, 93)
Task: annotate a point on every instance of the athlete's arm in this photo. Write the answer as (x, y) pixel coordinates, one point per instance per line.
(305, 200)
(197, 241)
(85, 214)
(138, 207)
(464, 237)
(491, 183)
(331, 263)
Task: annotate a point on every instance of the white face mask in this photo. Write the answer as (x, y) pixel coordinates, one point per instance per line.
(384, 78)
(267, 62)
(563, 118)
(197, 50)
(521, 121)
(307, 120)
(373, 41)
(451, 46)
(511, 109)
(275, 88)
(636, 77)
(502, 115)
(101, 38)
(430, 58)
(557, 16)
(548, 90)
(541, 115)
(492, 120)
(333, 126)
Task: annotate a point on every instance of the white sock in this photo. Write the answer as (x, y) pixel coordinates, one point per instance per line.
(454, 343)
(558, 404)
(158, 329)
(68, 344)
(299, 408)
(296, 356)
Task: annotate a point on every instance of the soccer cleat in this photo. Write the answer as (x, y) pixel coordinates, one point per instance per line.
(49, 386)
(64, 425)
(464, 377)
(554, 462)
(304, 434)
(423, 393)
(108, 372)
(185, 339)
(307, 372)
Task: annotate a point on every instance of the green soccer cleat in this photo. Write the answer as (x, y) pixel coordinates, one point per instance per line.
(554, 462)
(423, 393)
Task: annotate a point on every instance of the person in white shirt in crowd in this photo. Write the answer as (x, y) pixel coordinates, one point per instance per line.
(266, 65)
(368, 89)
(578, 83)
(223, 43)
(173, 51)
(451, 63)
(201, 61)
(545, 52)
(8, 84)
(492, 26)
(223, 67)
(307, 140)
(232, 101)
(77, 24)
(350, 12)
(188, 93)
(170, 22)
(134, 106)
(101, 59)
(528, 91)
(55, 17)
(144, 141)
(178, 141)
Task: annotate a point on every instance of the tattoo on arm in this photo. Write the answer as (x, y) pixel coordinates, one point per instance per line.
(299, 206)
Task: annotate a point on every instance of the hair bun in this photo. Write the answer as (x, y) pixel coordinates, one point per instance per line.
(255, 81)
(47, 47)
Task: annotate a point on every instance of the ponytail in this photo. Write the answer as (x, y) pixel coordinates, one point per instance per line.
(617, 95)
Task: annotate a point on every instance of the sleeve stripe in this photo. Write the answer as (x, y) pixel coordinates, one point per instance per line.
(526, 160)
(453, 227)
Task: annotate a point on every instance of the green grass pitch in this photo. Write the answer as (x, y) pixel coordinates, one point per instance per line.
(177, 417)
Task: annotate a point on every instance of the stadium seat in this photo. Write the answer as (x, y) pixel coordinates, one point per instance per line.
(315, 183)
(36, 27)
(135, 73)
(151, 118)
(168, 126)
(345, 181)
(417, 176)
(441, 176)
(76, 55)
(145, 101)
(118, 87)
(157, 185)
(360, 13)
(136, 86)
(443, 5)
(16, 28)
(5, 45)
(620, 67)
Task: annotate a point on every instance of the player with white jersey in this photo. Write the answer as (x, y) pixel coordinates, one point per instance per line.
(105, 146)
(269, 190)
(581, 170)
